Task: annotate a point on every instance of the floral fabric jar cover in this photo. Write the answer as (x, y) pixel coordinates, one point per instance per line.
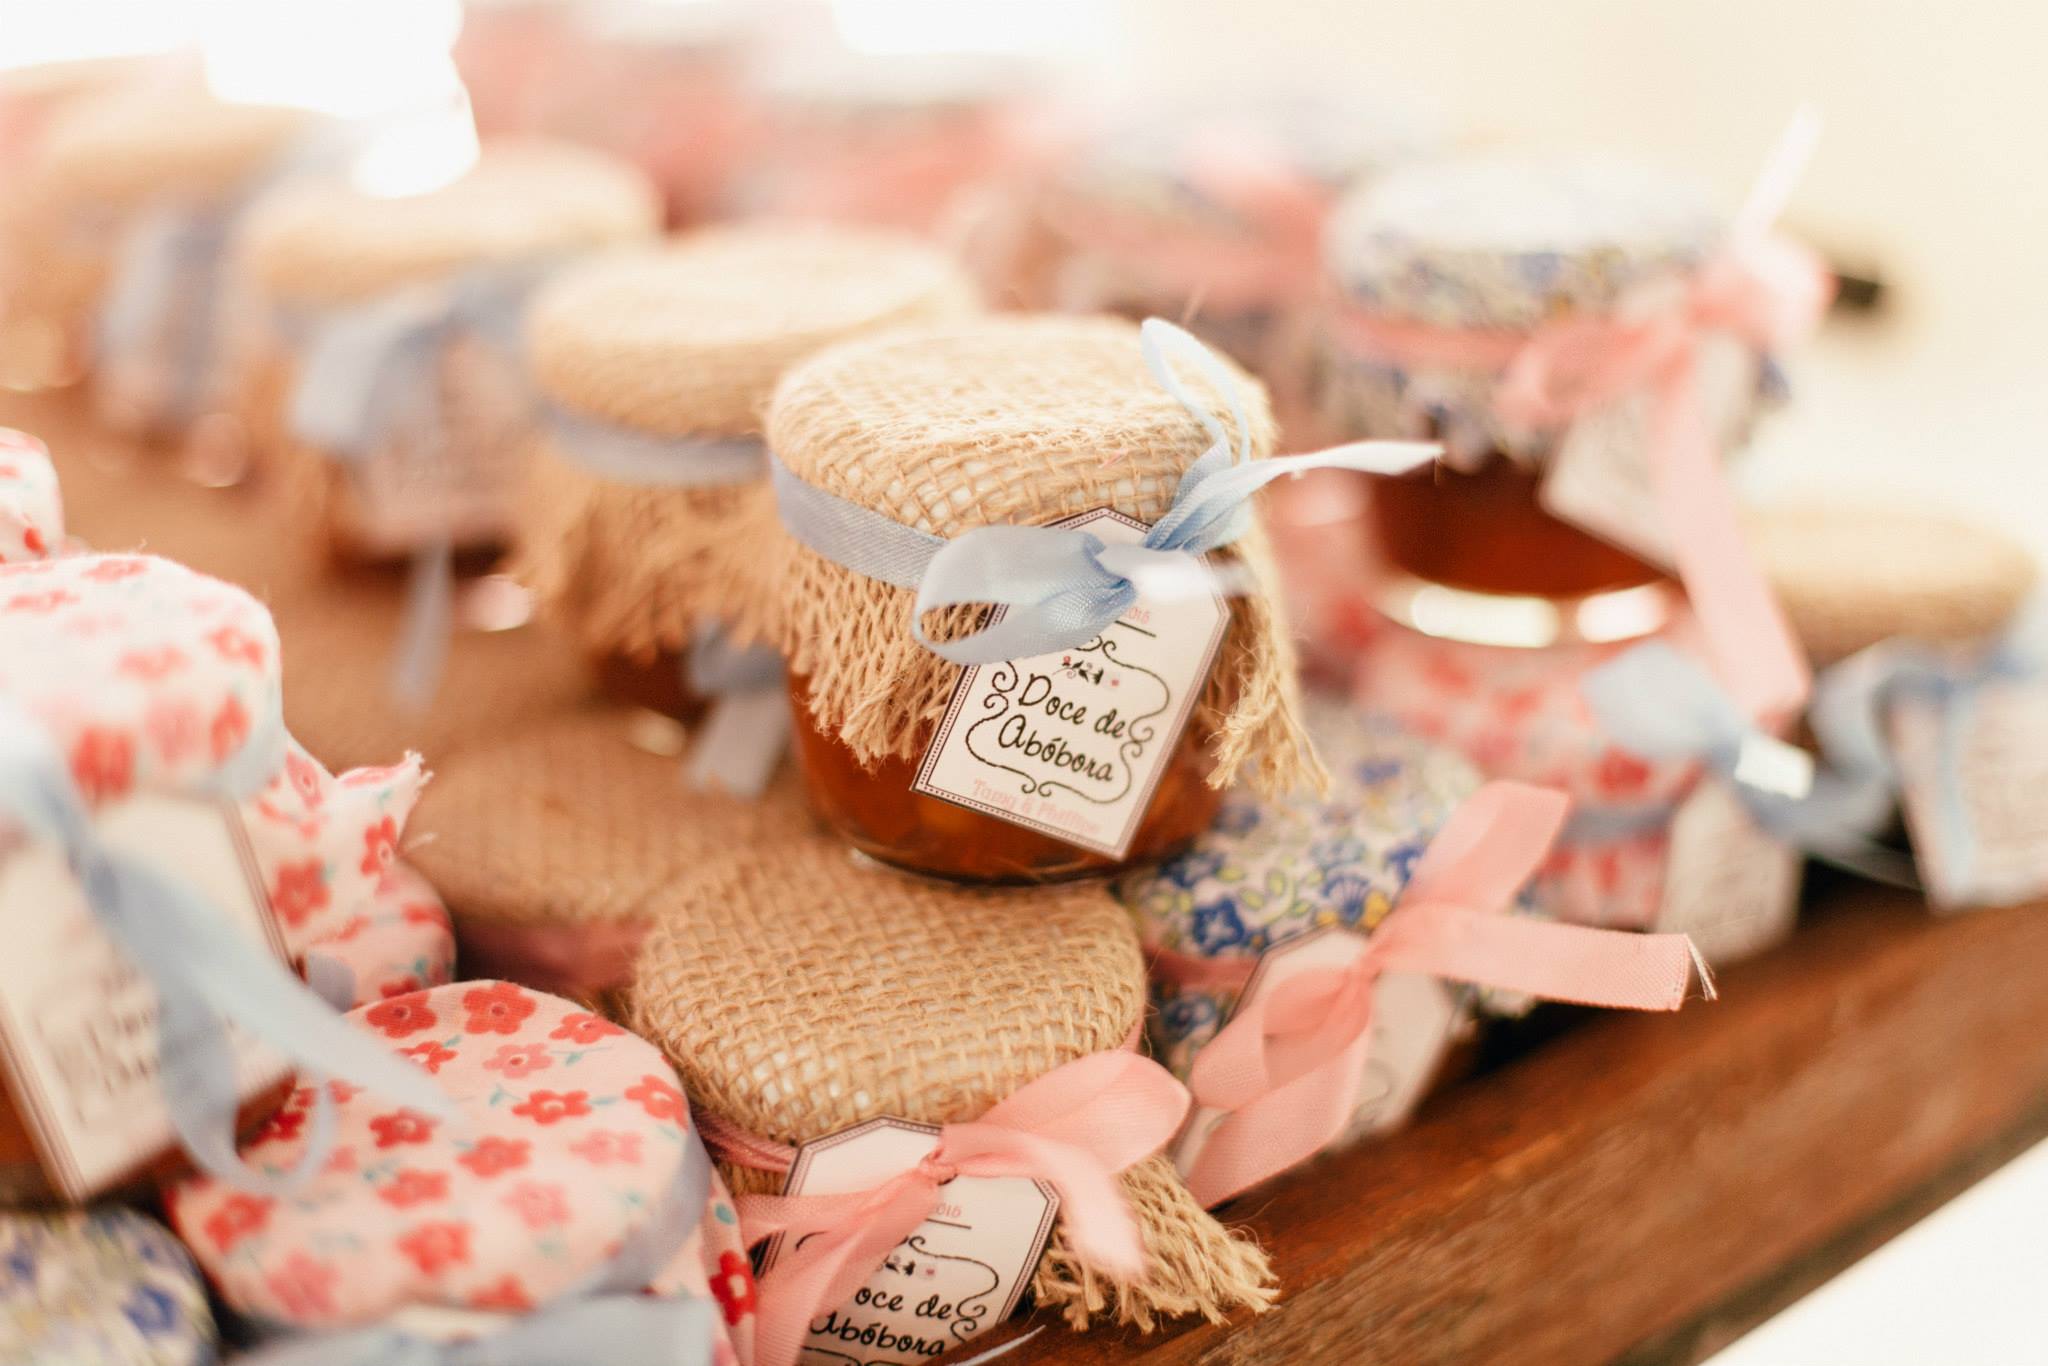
(100, 1288)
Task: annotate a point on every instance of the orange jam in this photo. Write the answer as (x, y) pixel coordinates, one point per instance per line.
(876, 810)
(659, 684)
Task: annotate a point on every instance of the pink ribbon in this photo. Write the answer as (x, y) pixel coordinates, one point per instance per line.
(1765, 290)
(1076, 1127)
(1288, 1067)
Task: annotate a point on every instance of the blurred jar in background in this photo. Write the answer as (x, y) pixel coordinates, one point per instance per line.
(663, 85)
(518, 59)
(379, 359)
(1212, 214)
(116, 238)
(899, 141)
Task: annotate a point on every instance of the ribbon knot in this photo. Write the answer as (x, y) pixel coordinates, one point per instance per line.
(1074, 1128)
(1286, 1071)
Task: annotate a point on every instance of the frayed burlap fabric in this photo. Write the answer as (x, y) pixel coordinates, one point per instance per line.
(688, 342)
(1007, 420)
(802, 996)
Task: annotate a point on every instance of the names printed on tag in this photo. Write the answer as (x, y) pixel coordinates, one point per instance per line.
(1073, 744)
(1415, 1018)
(958, 1274)
(2001, 773)
(78, 1035)
(1727, 882)
(1598, 478)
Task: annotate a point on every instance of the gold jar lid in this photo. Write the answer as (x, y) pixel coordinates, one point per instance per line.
(150, 139)
(326, 243)
(691, 337)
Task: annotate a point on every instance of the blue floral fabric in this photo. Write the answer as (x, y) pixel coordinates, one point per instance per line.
(1269, 871)
(99, 1288)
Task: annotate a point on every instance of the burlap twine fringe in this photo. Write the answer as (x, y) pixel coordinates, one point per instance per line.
(1019, 421)
(800, 1001)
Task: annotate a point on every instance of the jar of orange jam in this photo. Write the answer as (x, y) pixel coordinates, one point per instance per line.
(640, 531)
(1444, 273)
(1038, 768)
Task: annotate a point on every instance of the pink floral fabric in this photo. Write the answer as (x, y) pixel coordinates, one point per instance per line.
(363, 921)
(149, 676)
(31, 510)
(569, 1130)
(1519, 714)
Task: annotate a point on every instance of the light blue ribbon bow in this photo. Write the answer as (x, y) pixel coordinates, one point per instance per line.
(178, 255)
(369, 371)
(1063, 586)
(603, 1319)
(206, 974)
(1664, 705)
(743, 738)
(1852, 701)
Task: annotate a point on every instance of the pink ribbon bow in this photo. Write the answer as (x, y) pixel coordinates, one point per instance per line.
(1076, 1127)
(1288, 1067)
(1765, 290)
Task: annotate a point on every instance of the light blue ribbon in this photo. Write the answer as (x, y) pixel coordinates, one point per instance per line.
(602, 1319)
(1853, 699)
(1664, 705)
(205, 972)
(178, 254)
(625, 456)
(1063, 586)
(367, 371)
(744, 736)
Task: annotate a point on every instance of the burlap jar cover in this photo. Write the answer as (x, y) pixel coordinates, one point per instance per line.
(377, 358)
(808, 995)
(118, 224)
(557, 847)
(674, 354)
(1018, 421)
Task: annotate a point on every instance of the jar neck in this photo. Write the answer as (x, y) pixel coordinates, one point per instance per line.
(1524, 620)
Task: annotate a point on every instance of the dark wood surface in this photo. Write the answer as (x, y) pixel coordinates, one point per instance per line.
(1638, 1188)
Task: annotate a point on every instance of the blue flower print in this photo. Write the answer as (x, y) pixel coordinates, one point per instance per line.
(1402, 858)
(1188, 1014)
(1346, 896)
(152, 1311)
(1338, 851)
(1238, 818)
(1216, 925)
(1194, 867)
(1374, 772)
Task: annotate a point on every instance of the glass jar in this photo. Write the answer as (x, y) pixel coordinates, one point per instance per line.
(650, 491)
(379, 351)
(1010, 421)
(1445, 272)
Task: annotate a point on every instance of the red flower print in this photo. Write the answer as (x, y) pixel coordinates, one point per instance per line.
(547, 1107)
(733, 1287)
(343, 1161)
(659, 1099)
(112, 569)
(605, 1146)
(434, 1247)
(103, 764)
(508, 1295)
(300, 890)
(401, 1015)
(281, 1127)
(236, 646)
(538, 1206)
(423, 913)
(304, 776)
(350, 928)
(174, 729)
(161, 662)
(1621, 774)
(342, 1092)
(303, 1287)
(238, 1217)
(412, 1187)
(371, 777)
(516, 1060)
(496, 1156)
(33, 542)
(380, 845)
(230, 728)
(429, 1055)
(499, 1008)
(401, 1127)
(578, 1027)
(41, 603)
(399, 986)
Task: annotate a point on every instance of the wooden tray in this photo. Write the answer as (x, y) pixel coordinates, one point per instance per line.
(1636, 1188)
